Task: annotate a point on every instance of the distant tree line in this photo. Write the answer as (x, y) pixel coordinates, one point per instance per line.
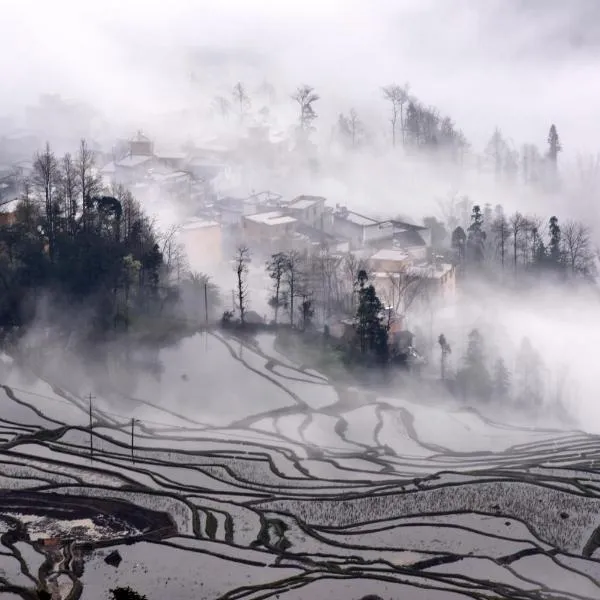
(484, 378)
(494, 244)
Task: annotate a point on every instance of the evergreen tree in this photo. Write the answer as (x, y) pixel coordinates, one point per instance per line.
(554, 247)
(371, 330)
(476, 236)
(445, 351)
(501, 381)
(474, 379)
(529, 383)
(554, 145)
(496, 150)
(459, 240)
(276, 268)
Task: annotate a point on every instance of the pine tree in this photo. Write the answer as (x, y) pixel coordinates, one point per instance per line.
(554, 145)
(372, 333)
(529, 383)
(501, 382)
(476, 235)
(555, 243)
(445, 351)
(474, 379)
(459, 240)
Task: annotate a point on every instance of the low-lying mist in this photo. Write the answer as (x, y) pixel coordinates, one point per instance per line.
(513, 65)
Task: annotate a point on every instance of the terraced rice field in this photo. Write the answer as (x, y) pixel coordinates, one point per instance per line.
(260, 479)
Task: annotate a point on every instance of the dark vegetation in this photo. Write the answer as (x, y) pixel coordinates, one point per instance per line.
(125, 593)
(88, 264)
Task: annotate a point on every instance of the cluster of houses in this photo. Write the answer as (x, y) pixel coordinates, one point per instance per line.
(396, 251)
(212, 224)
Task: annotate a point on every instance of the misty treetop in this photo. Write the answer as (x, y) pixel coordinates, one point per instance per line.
(494, 243)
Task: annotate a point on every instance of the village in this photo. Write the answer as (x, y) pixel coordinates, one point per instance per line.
(193, 191)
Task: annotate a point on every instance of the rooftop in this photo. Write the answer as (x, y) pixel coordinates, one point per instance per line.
(407, 223)
(304, 202)
(408, 238)
(356, 218)
(431, 271)
(275, 217)
(389, 254)
(193, 224)
(108, 168)
(362, 220)
(140, 137)
(133, 161)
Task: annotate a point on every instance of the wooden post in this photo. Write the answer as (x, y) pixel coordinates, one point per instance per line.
(91, 424)
(132, 433)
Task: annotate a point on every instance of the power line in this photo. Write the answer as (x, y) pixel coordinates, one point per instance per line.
(142, 422)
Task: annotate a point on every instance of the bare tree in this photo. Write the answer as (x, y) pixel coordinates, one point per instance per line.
(531, 237)
(397, 96)
(45, 181)
(293, 275)
(241, 98)
(173, 252)
(577, 246)
(70, 191)
(501, 231)
(89, 183)
(351, 127)
(222, 106)
(242, 260)
(516, 225)
(306, 96)
(403, 289)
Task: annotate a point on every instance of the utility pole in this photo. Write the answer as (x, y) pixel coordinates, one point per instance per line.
(206, 302)
(90, 397)
(132, 434)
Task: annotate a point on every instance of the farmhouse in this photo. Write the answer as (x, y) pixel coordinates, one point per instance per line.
(359, 229)
(268, 229)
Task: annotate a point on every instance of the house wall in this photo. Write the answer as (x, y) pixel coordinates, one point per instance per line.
(141, 148)
(448, 285)
(264, 234)
(313, 215)
(378, 232)
(388, 266)
(418, 253)
(351, 231)
(203, 245)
